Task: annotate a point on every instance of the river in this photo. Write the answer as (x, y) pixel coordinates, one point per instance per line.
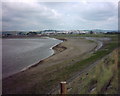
(19, 54)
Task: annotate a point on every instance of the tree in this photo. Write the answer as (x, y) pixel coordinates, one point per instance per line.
(91, 32)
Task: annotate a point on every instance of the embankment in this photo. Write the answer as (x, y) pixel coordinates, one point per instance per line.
(102, 79)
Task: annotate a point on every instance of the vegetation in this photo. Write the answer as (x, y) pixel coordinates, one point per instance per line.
(105, 73)
(87, 35)
(102, 79)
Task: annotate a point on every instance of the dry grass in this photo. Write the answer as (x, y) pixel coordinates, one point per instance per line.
(102, 79)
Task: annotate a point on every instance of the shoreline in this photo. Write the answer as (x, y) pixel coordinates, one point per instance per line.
(66, 53)
(57, 48)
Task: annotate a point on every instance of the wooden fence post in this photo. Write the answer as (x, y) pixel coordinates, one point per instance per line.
(63, 88)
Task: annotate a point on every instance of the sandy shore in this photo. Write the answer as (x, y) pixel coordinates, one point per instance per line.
(66, 53)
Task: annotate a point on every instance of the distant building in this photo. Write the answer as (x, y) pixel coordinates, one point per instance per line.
(22, 33)
(32, 33)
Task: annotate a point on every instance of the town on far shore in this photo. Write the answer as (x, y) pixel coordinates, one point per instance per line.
(54, 32)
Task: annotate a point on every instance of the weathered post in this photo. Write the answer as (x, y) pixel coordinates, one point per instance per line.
(63, 87)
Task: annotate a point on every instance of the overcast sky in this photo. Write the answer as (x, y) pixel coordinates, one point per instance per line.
(56, 15)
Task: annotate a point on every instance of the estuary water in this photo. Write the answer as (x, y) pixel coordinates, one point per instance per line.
(18, 54)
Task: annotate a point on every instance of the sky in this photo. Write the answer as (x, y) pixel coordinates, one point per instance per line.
(83, 15)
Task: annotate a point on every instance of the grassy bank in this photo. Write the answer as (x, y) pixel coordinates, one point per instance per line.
(64, 73)
(102, 79)
(86, 35)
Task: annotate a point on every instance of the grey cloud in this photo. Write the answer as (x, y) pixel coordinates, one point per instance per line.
(28, 16)
(97, 11)
(25, 15)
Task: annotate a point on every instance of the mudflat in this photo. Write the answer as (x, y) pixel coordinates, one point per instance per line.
(66, 53)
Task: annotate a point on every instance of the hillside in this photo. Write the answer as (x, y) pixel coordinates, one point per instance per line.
(102, 79)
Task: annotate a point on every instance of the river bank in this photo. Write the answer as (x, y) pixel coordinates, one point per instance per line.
(20, 54)
(56, 48)
(35, 79)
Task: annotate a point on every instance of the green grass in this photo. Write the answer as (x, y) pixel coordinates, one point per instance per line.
(97, 55)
